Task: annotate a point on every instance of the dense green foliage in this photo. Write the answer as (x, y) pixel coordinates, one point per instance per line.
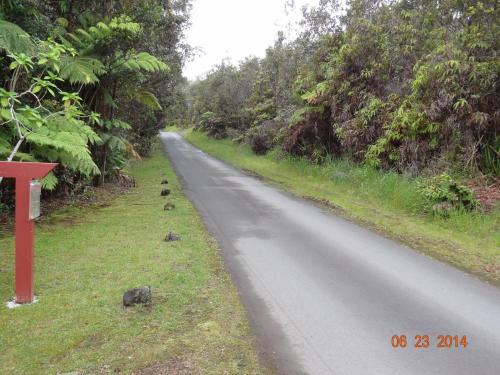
(444, 194)
(411, 86)
(87, 84)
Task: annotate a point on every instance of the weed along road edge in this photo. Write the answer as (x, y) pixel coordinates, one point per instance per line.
(326, 296)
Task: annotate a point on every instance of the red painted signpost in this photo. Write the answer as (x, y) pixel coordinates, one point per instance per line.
(27, 209)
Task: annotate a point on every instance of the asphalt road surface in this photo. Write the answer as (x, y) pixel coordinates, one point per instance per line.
(326, 296)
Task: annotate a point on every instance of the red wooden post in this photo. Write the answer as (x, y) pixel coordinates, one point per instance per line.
(25, 227)
(25, 236)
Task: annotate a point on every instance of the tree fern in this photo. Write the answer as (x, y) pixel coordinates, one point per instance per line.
(13, 39)
(70, 149)
(104, 32)
(67, 142)
(81, 69)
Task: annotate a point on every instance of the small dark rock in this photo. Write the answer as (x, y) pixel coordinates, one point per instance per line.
(172, 237)
(164, 182)
(137, 296)
(165, 192)
(169, 206)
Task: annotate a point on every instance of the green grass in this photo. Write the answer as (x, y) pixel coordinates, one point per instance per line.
(387, 202)
(85, 260)
(171, 128)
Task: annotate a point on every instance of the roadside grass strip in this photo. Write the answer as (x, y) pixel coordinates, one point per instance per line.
(84, 264)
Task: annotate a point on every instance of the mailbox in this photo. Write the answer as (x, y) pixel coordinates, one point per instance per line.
(28, 191)
(35, 192)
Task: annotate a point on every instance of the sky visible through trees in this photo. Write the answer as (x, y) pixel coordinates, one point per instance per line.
(236, 29)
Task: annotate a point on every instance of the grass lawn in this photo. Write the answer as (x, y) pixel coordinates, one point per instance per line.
(386, 202)
(87, 258)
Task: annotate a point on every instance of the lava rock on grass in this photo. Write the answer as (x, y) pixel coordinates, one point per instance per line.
(164, 182)
(137, 296)
(165, 192)
(171, 236)
(169, 206)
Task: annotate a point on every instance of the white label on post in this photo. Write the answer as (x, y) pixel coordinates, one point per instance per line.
(35, 192)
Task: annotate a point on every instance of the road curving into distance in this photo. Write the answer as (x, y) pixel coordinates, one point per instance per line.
(326, 296)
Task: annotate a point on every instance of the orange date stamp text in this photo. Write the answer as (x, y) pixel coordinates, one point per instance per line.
(426, 342)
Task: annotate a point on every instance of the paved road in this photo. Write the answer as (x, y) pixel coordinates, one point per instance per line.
(325, 296)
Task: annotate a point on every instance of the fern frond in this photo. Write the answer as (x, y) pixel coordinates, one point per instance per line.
(49, 182)
(120, 124)
(78, 41)
(145, 97)
(140, 61)
(65, 142)
(102, 26)
(114, 124)
(124, 23)
(5, 147)
(108, 98)
(15, 40)
(24, 156)
(81, 69)
(85, 34)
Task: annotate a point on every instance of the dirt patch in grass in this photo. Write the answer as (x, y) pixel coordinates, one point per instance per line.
(486, 192)
(62, 209)
(493, 269)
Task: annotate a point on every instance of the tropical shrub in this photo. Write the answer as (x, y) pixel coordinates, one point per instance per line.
(41, 121)
(444, 194)
(262, 138)
(88, 84)
(409, 86)
(213, 125)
